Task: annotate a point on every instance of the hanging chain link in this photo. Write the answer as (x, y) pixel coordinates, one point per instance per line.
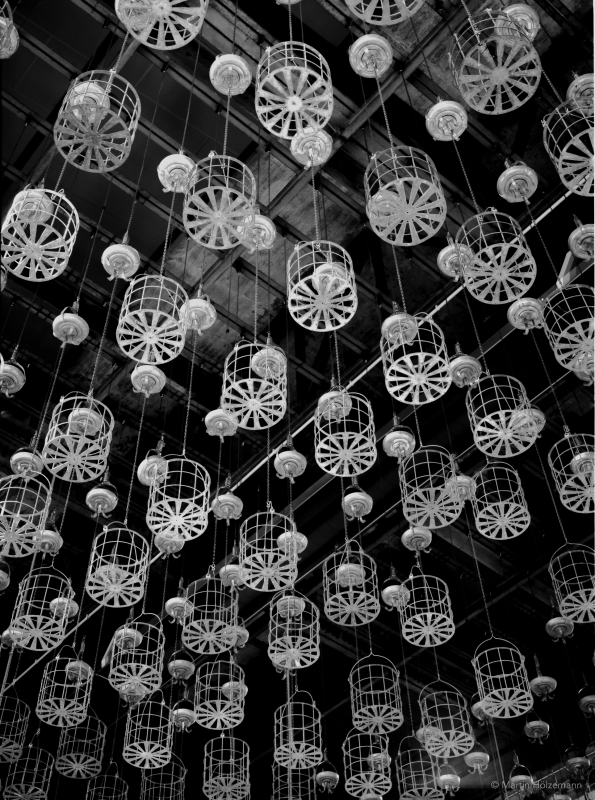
(167, 234)
(226, 128)
(477, 208)
(388, 130)
(256, 294)
(103, 335)
(189, 399)
(479, 342)
(315, 203)
(398, 271)
(121, 53)
(59, 181)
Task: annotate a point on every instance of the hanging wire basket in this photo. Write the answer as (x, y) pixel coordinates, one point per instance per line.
(162, 27)
(219, 695)
(219, 205)
(321, 289)
(294, 91)
(383, 12)
(255, 385)
(500, 416)
(38, 234)
(568, 140)
(24, 508)
(226, 769)
(293, 784)
(80, 749)
(404, 199)
(416, 772)
(65, 692)
(350, 586)
(425, 610)
(179, 499)
(30, 776)
(9, 36)
(416, 366)
(431, 498)
(366, 764)
(14, 719)
(45, 601)
(572, 570)
(152, 323)
(502, 679)
(148, 735)
(445, 721)
(344, 434)
(136, 656)
(495, 259)
(376, 705)
(118, 567)
(97, 121)
(166, 783)
(499, 505)
(572, 462)
(294, 631)
(107, 787)
(267, 564)
(210, 616)
(298, 733)
(569, 325)
(494, 64)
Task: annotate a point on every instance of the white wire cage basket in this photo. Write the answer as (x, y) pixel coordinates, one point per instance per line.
(366, 763)
(494, 64)
(118, 567)
(294, 91)
(350, 585)
(430, 493)
(425, 610)
(30, 776)
(148, 735)
(572, 570)
(384, 12)
(210, 616)
(415, 362)
(78, 439)
(298, 733)
(97, 121)
(293, 784)
(568, 140)
(344, 434)
(416, 772)
(166, 783)
(226, 769)
(404, 199)
(152, 323)
(501, 678)
(268, 555)
(24, 508)
(445, 721)
(14, 719)
(107, 787)
(136, 656)
(376, 705)
(294, 631)
(569, 324)
(501, 417)
(219, 694)
(44, 604)
(255, 384)
(160, 26)
(572, 463)
(496, 261)
(38, 234)
(499, 506)
(9, 37)
(321, 289)
(219, 205)
(80, 749)
(65, 691)
(178, 505)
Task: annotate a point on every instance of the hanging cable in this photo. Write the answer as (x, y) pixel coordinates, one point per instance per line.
(94, 236)
(191, 94)
(189, 401)
(471, 193)
(388, 130)
(167, 233)
(555, 505)
(135, 459)
(103, 335)
(550, 383)
(485, 602)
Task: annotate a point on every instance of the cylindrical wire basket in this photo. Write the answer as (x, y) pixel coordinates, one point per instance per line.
(9, 36)
(211, 612)
(219, 205)
(294, 91)
(445, 721)
(416, 772)
(293, 784)
(226, 769)
(107, 787)
(45, 601)
(294, 631)
(178, 505)
(385, 12)
(148, 735)
(568, 141)
(404, 199)
(344, 434)
(572, 570)
(30, 776)
(569, 323)
(118, 567)
(267, 565)
(159, 27)
(65, 692)
(366, 764)
(24, 507)
(496, 261)
(502, 679)
(38, 234)
(80, 749)
(298, 733)
(167, 783)
(499, 505)
(136, 658)
(572, 462)
(425, 610)
(14, 719)
(376, 705)
(97, 121)
(321, 289)
(350, 585)
(428, 487)
(152, 323)
(219, 694)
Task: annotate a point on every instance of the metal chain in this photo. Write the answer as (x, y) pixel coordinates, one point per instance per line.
(543, 244)
(388, 131)
(336, 340)
(477, 209)
(140, 427)
(552, 87)
(268, 466)
(217, 495)
(94, 241)
(103, 334)
(314, 200)
(256, 293)
(48, 397)
(555, 505)
(417, 425)
(167, 233)
(191, 95)
(479, 342)
(290, 22)
(121, 53)
(226, 128)
(60, 176)
(550, 382)
(398, 271)
(485, 602)
(189, 401)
